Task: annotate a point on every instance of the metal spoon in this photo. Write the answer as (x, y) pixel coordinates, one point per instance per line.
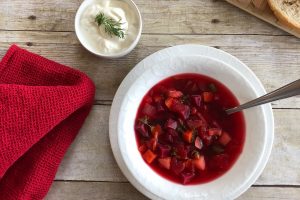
(286, 91)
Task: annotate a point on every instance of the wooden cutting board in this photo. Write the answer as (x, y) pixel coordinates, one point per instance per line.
(261, 9)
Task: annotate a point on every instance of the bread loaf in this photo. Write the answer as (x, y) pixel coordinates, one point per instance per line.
(288, 12)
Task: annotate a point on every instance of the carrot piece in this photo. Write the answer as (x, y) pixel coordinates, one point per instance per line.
(188, 136)
(165, 162)
(149, 156)
(156, 131)
(208, 96)
(174, 93)
(199, 162)
(169, 102)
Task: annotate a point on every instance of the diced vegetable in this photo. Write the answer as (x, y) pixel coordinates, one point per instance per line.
(214, 131)
(163, 150)
(149, 110)
(208, 97)
(188, 136)
(142, 129)
(169, 102)
(177, 166)
(196, 100)
(192, 124)
(181, 151)
(152, 143)
(170, 123)
(198, 143)
(149, 156)
(225, 138)
(165, 162)
(156, 131)
(182, 110)
(174, 93)
(203, 133)
(167, 138)
(143, 148)
(189, 165)
(187, 177)
(199, 162)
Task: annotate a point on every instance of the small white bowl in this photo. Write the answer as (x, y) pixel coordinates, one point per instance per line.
(203, 60)
(84, 42)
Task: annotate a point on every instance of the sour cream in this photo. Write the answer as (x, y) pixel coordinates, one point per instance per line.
(95, 36)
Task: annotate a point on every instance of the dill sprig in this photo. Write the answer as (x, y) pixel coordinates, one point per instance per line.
(111, 26)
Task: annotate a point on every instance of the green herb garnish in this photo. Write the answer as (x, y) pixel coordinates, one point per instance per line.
(184, 99)
(111, 26)
(145, 120)
(213, 87)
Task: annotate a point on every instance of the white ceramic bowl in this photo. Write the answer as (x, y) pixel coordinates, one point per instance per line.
(84, 42)
(211, 62)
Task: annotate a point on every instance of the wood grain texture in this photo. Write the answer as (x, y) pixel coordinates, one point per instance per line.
(265, 14)
(125, 191)
(89, 170)
(164, 17)
(90, 157)
(274, 59)
(93, 191)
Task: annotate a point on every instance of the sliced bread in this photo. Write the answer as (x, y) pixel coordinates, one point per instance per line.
(287, 11)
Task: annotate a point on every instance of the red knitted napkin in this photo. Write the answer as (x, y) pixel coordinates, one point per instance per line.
(43, 105)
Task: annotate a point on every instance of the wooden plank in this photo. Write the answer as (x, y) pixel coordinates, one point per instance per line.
(105, 190)
(90, 157)
(169, 16)
(264, 13)
(269, 193)
(274, 59)
(93, 191)
(283, 166)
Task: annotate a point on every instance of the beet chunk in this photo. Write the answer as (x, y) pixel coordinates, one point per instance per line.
(196, 100)
(149, 110)
(177, 166)
(192, 124)
(182, 110)
(163, 151)
(181, 151)
(142, 129)
(172, 124)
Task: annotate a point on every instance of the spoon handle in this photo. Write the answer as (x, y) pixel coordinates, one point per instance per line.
(286, 91)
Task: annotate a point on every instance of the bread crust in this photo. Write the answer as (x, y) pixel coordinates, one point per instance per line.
(283, 18)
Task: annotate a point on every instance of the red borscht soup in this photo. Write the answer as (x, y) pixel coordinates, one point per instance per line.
(183, 133)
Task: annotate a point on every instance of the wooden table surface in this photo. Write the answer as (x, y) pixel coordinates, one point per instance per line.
(89, 170)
